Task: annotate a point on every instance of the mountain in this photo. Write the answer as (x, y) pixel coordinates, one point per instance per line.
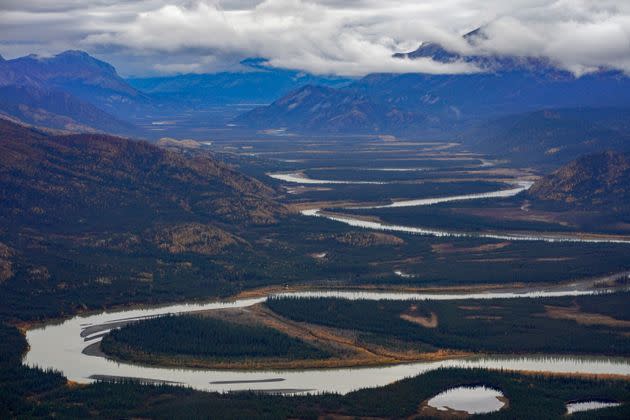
(36, 104)
(506, 85)
(76, 92)
(552, 136)
(593, 182)
(69, 68)
(489, 63)
(256, 83)
(71, 91)
(99, 180)
(89, 220)
(312, 107)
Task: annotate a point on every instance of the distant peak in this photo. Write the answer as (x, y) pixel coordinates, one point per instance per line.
(255, 62)
(438, 52)
(84, 58)
(74, 53)
(312, 88)
(77, 55)
(475, 34)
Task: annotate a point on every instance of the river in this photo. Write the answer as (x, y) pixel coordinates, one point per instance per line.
(60, 346)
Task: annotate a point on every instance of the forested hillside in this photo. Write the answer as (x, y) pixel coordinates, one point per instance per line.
(553, 136)
(594, 182)
(91, 219)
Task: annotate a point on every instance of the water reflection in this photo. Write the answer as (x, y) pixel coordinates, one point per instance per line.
(60, 346)
(472, 400)
(576, 407)
(543, 237)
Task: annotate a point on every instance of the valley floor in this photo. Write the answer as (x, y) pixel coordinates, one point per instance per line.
(467, 228)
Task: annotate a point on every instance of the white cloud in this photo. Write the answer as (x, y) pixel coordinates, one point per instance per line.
(352, 37)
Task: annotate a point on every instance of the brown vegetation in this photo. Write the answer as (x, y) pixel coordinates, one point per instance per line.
(193, 237)
(178, 145)
(594, 181)
(6, 266)
(348, 350)
(574, 313)
(451, 249)
(412, 315)
(360, 239)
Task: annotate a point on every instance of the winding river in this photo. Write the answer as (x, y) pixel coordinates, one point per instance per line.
(520, 186)
(542, 237)
(61, 347)
(300, 178)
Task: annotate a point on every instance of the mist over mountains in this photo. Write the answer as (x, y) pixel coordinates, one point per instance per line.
(256, 84)
(517, 107)
(76, 92)
(402, 103)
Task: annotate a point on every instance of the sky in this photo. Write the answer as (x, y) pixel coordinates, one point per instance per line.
(350, 38)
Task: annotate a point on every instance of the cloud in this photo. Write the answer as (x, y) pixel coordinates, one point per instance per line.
(351, 37)
(579, 35)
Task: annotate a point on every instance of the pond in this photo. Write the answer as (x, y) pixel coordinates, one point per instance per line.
(578, 406)
(472, 400)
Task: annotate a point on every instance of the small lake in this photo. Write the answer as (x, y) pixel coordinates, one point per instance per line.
(472, 400)
(576, 407)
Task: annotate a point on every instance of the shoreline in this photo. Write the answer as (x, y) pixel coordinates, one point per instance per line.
(264, 365)
(594, 283)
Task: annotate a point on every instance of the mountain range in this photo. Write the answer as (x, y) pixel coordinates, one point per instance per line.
(75, 92)
(255, 83)
(404, 103)
(98, 180)
(520, 108)
(70, 91)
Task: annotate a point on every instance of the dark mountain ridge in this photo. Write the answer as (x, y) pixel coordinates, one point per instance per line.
(552, 136)
(594, 182)
(313, 107)
(104, 180)
(71, 66)
(71, 91)
(506, 85)
(487, 62)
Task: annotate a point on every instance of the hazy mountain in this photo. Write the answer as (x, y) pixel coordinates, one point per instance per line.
(313, 107)
(552, 136)
(35, 103)
(71, 90)
(592, 182)
(508, 85)
(76, 92)
(74, 68)
(257, 83)
(491, 63)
